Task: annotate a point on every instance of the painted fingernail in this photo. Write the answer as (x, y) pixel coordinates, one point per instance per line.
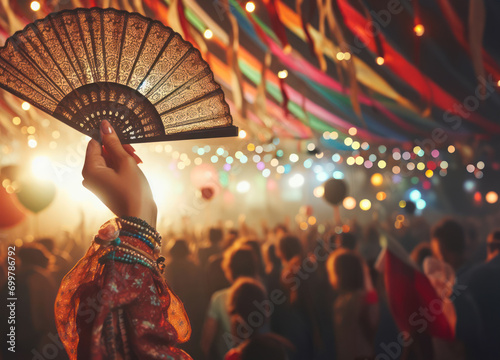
(106, 127)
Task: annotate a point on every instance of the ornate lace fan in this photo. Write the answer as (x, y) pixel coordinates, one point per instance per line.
(85, 65)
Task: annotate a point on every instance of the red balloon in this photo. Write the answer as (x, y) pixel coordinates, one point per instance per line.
(10, 211)
(207, 193)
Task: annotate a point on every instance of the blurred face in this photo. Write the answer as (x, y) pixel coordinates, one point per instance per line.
(436, 249)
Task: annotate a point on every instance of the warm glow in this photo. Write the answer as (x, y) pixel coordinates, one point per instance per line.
(35, 5)
(41, 167)
(250, 6)
(243, 187)
(319, 191)
(381, 196)
(340, 56)
(365, 204)
(16, 120)
(311, 220)
(25, 106)
(242, 134)
(380, 60)
(347, 56)
(349, 203)
(419, 29)
(296, 181)
(283, 74)
(208, 34)
(32, 143)
(353, 131)
(451, 149)
(377, 179)
(491, 197)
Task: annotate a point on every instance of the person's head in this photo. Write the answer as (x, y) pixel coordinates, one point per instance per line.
(345, 271)
(448, 242)
(215, 236)
(247, 306)
(280, 230)
(347, 240)
(180, 250)
(271, 258)
(35, 254)
(289, 247)
(420, 252)
(265, 347)
(493, 244)
(239, 261)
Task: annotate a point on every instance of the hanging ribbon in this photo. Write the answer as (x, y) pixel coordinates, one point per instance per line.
(277, 25)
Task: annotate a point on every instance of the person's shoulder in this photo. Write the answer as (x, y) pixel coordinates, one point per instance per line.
(220, 295)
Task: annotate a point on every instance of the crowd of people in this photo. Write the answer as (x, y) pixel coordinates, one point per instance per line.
(283, 293)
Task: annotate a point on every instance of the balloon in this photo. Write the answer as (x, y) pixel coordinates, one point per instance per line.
(335, 191)
(36, 195)
(207, 193)
(10, 210)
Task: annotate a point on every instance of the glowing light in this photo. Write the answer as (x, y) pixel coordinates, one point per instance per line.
(396, 156)
(16, 120)
(451, 149)
(365, 204)
(359, 160)
(469, 185)
(250, 147)
(319, 191)
(353, 131)
(214, 159)
(303, 225)
(420, 166)
(311, 146)
(296, 181)
(41, 167)
(242, 134)
(470, 168)
(380, 60)
(32, 143)
(311, 220)
(491, 197)
(355, 145)
(350, 160)
(250, 6)
(381, 196)
(283, 74)
(382, 149)
(338, 175)
(421, 204)
(208, 34)
(406, 155)
(479, 165)
(35, 5)
(334, 135)
(243, 187)
(377, 179)
(25, 106)
(348, 141)
(266, 172)
(349, 203)
(294, 157)
(419, 29)
(429, 173)
(415, 195)
(347, 56)
(477, 196)
(402, 204)
(382, 164)
(340, 56)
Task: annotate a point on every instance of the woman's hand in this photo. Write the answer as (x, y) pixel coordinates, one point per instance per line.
(112, 174)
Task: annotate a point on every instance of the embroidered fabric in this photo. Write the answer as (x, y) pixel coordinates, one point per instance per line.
(115, 310)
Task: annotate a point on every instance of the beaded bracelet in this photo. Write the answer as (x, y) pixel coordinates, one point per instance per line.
(142, 226)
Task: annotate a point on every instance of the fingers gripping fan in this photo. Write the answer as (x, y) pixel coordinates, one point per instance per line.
(86, 65)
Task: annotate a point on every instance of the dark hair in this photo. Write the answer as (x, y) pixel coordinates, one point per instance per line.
(215, 235)
(180, 249)
(347, 267)
(289, 247)
(450, 235)
(265, 347)
(48, 243)
(494, 246)
(420, 252)
(243, 295)
(271, 256)
(348, 240)
(34, 254)
(238, 262)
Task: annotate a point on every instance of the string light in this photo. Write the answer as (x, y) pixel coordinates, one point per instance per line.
(380, 60)
(283, 74)
(250, 6)
(242, 134)
(25, 106)
(419, 29)
(35, 5)
(208, 34)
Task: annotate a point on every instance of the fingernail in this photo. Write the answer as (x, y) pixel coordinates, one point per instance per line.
(106, 127)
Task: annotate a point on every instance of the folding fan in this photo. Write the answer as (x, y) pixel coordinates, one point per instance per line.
(86, 65)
